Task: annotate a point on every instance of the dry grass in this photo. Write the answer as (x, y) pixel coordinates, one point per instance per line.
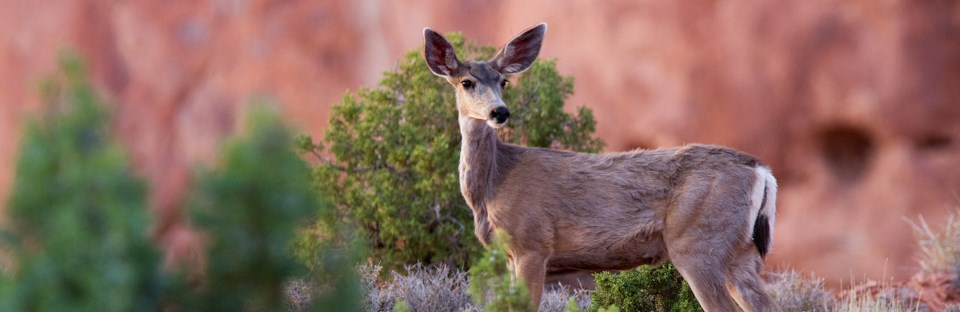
(440, 288)
(938, 282)
(871, 296)
(436, 288)
(794, 292)
(556, 300)
(939, 251)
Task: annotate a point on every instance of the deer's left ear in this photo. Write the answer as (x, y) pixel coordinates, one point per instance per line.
(520, 52)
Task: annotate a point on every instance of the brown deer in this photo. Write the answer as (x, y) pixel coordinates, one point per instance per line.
(708, 209)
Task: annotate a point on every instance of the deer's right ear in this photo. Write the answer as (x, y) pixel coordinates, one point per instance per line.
(439, 53)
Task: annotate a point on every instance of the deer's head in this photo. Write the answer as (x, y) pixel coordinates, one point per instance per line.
(480, 84)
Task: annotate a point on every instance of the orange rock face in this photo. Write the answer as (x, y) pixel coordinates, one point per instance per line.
(855, 105)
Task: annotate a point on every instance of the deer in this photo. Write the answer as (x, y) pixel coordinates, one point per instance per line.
(708, 209)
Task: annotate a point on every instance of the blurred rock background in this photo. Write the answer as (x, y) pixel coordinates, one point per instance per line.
(854, 104)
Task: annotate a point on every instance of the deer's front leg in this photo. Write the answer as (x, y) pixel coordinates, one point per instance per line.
(532, 268)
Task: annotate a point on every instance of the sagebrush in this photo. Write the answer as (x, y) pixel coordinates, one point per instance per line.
(442, 288)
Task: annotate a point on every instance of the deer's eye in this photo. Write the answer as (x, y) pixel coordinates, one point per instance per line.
(467, 84)
(503, 84)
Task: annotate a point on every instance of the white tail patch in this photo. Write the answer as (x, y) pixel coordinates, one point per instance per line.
(764, 187)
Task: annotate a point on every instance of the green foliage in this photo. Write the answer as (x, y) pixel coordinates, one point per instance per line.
(78, 220)
(492, 282)
(396, 152)
(251, 206)
(647, 288)
(401, 306)
(339, 282)
(572, 305)
(77, 215)
(611, 308)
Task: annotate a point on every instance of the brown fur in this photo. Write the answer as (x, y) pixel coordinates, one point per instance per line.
(614, 211)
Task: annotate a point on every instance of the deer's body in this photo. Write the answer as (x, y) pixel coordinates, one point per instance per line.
(709, 209)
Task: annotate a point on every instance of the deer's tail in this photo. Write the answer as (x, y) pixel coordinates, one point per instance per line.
(763, 208)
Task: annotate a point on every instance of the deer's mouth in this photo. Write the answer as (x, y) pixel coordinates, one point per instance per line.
(496, 124)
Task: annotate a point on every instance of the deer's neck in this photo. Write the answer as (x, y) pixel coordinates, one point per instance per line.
(478, 170)
(478, 160)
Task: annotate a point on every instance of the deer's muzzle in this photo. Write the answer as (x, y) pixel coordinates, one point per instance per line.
(500, 114)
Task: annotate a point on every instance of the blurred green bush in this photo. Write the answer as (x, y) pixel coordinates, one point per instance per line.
(396, 149)
(251, 207)
(77, 215)
(78, 222)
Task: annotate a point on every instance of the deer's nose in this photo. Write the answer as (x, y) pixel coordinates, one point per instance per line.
(500, 114)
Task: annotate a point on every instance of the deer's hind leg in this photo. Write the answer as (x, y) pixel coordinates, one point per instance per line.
(704, 264)
(708, 284)
(746, 286)
(704, 232)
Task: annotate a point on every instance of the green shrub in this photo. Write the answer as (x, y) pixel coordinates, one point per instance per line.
(492, 282)
(77, 215)
(396, 150)
(646, 288)
(251, 206)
